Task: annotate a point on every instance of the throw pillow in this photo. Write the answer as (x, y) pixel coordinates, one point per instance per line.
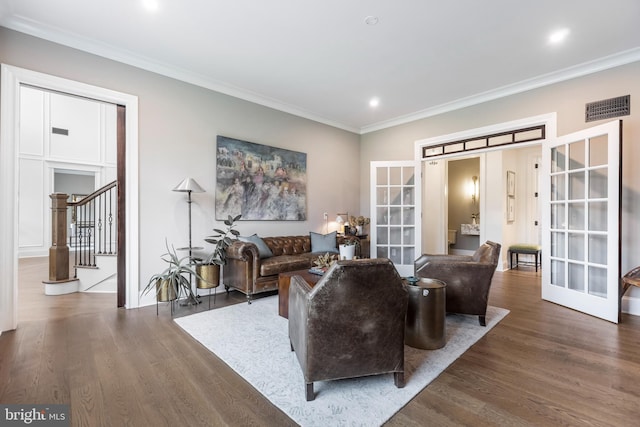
(324, 242)
(263, 249)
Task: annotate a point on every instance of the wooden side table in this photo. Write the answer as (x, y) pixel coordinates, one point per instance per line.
(365, 247)
(284, 280)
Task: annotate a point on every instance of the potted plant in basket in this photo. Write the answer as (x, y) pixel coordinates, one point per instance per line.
(209, 268)
(173, 282)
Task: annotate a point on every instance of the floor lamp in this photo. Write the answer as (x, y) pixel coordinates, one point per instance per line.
(189, 185)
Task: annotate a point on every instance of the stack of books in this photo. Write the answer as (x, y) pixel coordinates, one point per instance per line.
(317, 270)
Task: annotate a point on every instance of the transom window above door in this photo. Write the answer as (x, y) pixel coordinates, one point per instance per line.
(516, 136)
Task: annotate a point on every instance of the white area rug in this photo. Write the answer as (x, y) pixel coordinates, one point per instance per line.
(254, 341)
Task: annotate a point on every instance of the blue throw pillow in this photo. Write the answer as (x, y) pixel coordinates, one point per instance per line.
(324, 242)
(263, 249)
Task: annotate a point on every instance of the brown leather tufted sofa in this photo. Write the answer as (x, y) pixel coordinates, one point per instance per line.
(350, 324)
(468, 278)
(249, 274)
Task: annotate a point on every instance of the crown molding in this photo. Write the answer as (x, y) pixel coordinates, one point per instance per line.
(66, 38)
(601, 64)
(73, 40)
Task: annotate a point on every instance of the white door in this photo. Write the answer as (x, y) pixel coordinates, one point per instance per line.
(581, 220)
(395, 202)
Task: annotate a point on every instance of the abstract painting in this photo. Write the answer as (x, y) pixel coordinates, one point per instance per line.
(260, 182)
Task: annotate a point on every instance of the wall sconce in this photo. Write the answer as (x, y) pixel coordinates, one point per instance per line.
(343, 222)
(474, 190)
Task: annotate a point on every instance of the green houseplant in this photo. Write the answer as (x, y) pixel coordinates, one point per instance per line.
(209, 269)
(172, 282)
(348, 248)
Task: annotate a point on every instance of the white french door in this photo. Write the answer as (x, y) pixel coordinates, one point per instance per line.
(395, 205)
(581, 175)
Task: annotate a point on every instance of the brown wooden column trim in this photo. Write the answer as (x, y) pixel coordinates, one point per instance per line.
(59, 251)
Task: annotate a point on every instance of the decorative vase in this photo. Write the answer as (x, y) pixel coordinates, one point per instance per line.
(165, 290)
(210, 274)
(347, 251)
(359, 230)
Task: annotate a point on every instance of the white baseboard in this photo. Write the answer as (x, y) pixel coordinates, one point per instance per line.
(631, 305)
(62, 287)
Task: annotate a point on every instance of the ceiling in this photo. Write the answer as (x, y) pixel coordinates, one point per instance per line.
(321, 60)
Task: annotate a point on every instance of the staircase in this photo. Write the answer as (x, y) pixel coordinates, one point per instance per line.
(91, 246)
(103, 277)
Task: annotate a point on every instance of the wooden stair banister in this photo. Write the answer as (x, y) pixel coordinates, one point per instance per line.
(93, 216)
(59, 251)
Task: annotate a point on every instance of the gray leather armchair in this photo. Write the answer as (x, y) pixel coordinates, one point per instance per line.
(350, 324)
(468, 278)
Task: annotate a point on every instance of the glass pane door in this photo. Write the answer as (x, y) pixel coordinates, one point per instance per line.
(583, 179)
(394, 209)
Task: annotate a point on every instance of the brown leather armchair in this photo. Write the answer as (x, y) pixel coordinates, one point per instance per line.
(468, 278)
(350, 324)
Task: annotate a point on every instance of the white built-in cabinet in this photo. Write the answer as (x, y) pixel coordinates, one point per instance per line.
(58, 134)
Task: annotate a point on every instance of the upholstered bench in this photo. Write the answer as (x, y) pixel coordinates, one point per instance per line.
(526, 249)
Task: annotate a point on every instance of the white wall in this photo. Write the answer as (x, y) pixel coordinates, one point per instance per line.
(89, 146)
(520, 230)
(434, 236)
(70, 183)
(178, 125)
(493, 210)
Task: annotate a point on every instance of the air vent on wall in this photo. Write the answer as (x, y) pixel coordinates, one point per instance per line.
(608, 108)
(60, 131)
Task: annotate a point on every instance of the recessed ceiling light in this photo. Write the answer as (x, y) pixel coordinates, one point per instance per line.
(558, 36)
(374, 102)
(151, 5)
(371, 20)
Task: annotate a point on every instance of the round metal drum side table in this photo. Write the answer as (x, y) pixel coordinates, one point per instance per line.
(426, 312)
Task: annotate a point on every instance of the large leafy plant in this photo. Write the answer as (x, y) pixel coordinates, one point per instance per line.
(177, 274)
(222, 240)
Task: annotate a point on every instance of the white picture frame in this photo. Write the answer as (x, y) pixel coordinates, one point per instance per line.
(511, 209)
(511, 184)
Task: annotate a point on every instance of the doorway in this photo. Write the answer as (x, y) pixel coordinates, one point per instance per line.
(12, 79)
(495, 160)
(580, 202)
(68, 145)
(463, 205)
(77, 184)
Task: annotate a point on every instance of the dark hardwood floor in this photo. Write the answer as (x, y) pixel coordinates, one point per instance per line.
(543, 365)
